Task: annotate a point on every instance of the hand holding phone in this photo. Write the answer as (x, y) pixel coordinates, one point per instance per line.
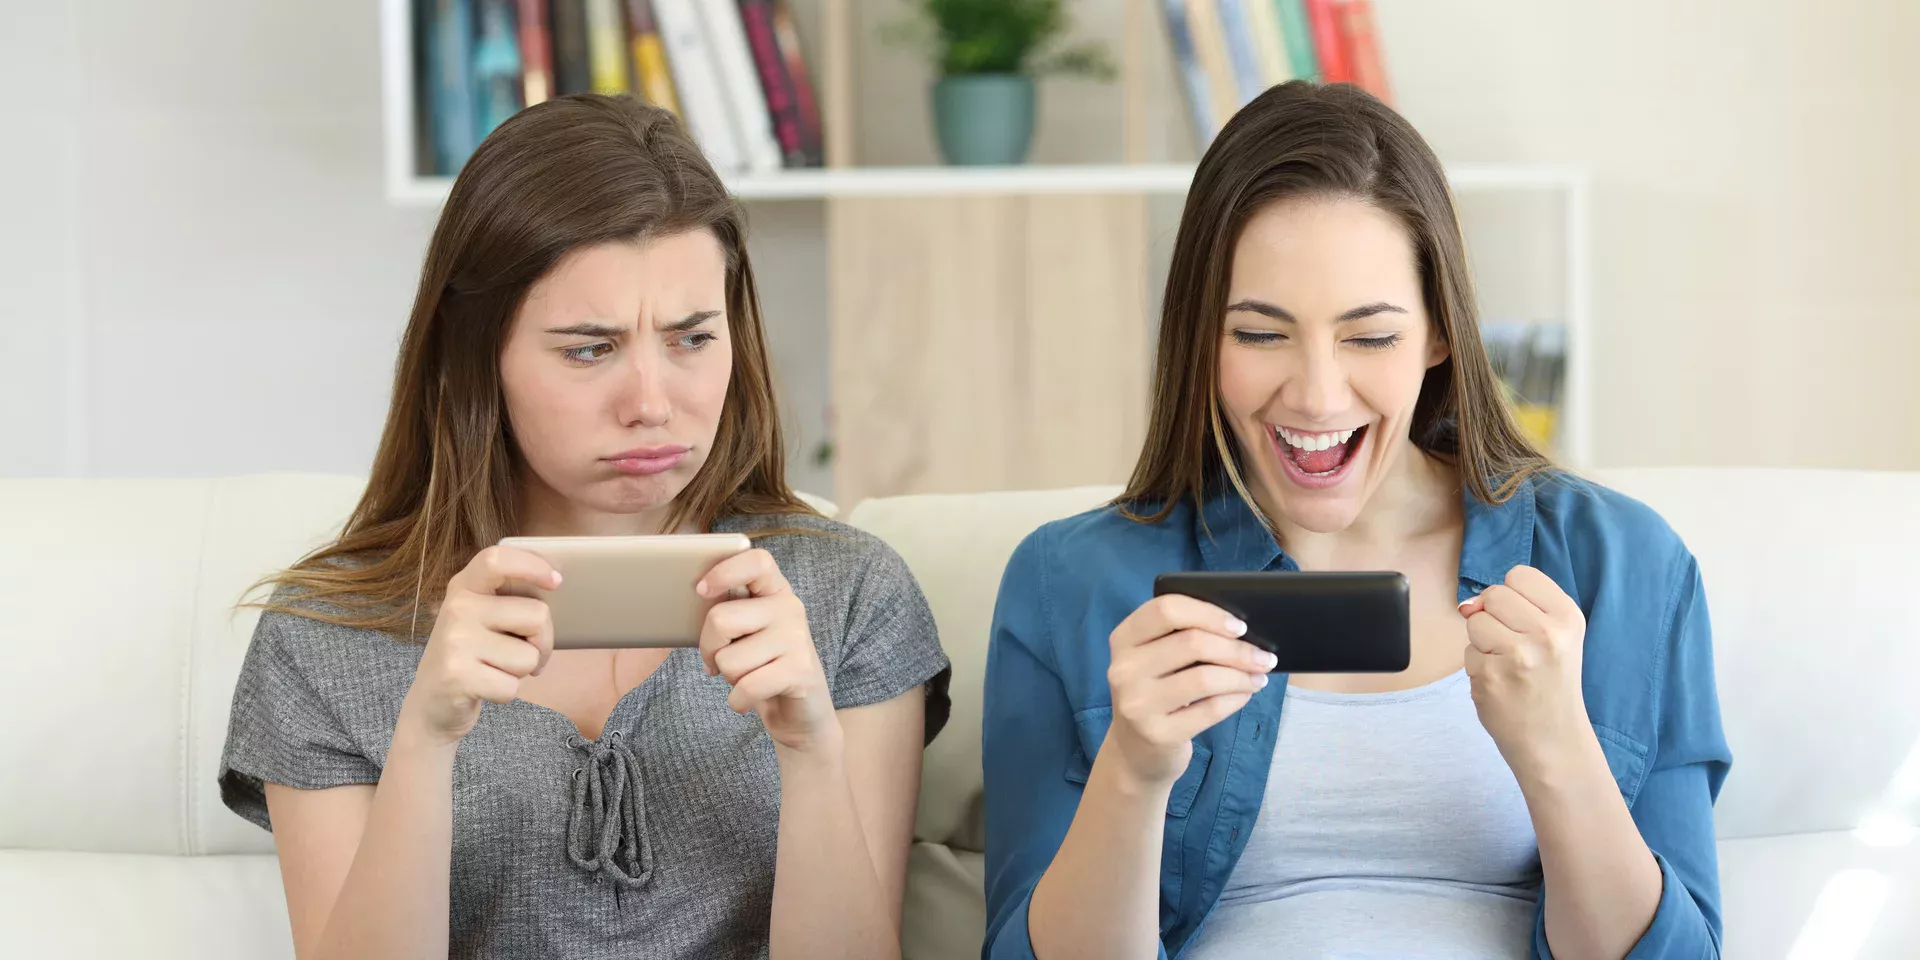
(484, 642)
(1178, 668)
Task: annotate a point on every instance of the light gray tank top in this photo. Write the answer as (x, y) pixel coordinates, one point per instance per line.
(1391, 829)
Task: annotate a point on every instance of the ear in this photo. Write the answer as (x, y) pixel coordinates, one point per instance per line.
(1437, 349)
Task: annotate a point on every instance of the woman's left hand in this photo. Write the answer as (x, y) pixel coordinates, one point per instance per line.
(1525, 639)
(762, 645)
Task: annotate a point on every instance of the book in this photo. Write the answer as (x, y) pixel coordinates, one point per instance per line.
(1530, 360)
(496, 65)
(607, 64)
(812, 132)
(453, 115)
(783, 104)
(1210, 47)
(1297, 33)
(572, 70)
(1243, 51)
(1360, 42)
(1270, 40)
(1326, 42)
(696, 78)
(740, 82)
(651, 76)
(536, 52)
(1192, 75)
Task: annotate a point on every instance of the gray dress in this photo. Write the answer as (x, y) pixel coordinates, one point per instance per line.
(655, 840)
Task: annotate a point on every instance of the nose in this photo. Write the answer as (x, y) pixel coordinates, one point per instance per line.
(642, 395)
(1321, 390)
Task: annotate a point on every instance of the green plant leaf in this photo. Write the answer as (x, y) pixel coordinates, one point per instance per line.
(998, 36)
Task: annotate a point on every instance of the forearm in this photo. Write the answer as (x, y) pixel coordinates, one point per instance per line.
(393, 903)
(827, 897)
(1099, 898)
(1602, 884)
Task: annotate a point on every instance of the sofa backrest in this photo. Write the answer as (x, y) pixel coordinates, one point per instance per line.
(125, 641)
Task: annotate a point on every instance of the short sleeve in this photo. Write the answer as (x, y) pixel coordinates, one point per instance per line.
(281, 730)
(891, 643)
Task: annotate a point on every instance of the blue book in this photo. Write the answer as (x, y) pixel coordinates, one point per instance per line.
(1243, 49)
(1199, 107)
(496, 65)
(450, 83)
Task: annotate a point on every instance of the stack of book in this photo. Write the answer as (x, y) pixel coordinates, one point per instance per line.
(732, 69)
(1230, 51)
(1531, 360)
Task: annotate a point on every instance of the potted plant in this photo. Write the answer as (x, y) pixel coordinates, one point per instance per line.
(990, 52)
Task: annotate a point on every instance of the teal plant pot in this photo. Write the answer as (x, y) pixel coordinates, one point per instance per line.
(984, 118)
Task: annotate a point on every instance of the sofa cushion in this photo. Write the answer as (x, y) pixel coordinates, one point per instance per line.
(956, 545)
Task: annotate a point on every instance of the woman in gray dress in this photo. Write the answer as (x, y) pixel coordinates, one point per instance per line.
(585, 357)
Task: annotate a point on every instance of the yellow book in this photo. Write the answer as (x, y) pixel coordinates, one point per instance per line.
(650, 56)
(606, 47)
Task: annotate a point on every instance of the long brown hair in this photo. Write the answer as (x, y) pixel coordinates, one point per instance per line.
(560, 175)
(1304, 140)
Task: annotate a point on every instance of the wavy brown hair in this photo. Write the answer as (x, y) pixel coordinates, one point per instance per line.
(560, 175)
(1305, 140)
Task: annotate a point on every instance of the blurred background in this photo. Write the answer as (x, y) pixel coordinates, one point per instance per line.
(1692, 223)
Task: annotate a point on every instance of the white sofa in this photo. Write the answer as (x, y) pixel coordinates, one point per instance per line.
(122, 648)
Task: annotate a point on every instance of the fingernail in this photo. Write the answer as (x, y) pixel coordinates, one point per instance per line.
(556, 578)
(1236, 627)
(1272, 661)
(1469, 600)
(700, 588)
(1260, 681)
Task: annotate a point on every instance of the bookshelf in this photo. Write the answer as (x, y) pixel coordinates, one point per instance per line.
(949, 368)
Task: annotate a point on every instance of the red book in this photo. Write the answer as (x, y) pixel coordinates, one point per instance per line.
(536, 52)
(1360, 42)
(812, 139)
(782, 103)
(1326, 42)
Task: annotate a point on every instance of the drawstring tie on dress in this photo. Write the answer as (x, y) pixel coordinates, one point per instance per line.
(607, 828)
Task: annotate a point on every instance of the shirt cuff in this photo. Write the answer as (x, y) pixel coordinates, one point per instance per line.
(1678, 929)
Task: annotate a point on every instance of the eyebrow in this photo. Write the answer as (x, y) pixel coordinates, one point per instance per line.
(1361, 312)
(595, 329)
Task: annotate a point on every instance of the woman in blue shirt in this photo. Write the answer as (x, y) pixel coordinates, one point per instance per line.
(1540, 782)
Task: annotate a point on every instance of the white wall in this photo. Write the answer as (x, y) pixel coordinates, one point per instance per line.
(199, 275)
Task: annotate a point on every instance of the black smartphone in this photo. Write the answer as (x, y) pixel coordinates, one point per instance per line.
(1314, 622)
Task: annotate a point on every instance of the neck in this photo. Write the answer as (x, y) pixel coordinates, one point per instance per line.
(1419, 497)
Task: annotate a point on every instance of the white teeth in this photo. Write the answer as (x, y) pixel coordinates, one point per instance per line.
(1311, 442)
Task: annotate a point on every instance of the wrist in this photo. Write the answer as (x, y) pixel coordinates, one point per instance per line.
(1562, 766)
(823, 749)
(413, 735)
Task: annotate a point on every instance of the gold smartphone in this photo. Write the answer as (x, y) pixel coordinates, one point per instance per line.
(620, 592)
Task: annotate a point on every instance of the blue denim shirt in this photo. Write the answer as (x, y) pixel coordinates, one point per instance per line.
(1647, 680)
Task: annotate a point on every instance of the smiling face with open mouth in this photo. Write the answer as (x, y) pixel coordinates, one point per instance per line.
(1325, 347)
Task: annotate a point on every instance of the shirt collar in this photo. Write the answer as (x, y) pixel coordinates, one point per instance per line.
(1497, 538)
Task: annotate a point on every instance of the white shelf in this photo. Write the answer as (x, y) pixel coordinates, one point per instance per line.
(1169, 178)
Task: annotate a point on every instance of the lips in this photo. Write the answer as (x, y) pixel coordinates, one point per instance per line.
(647, 461)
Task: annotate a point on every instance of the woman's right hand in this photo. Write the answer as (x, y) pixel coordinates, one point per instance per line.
(1178, 668)
(483, 644)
